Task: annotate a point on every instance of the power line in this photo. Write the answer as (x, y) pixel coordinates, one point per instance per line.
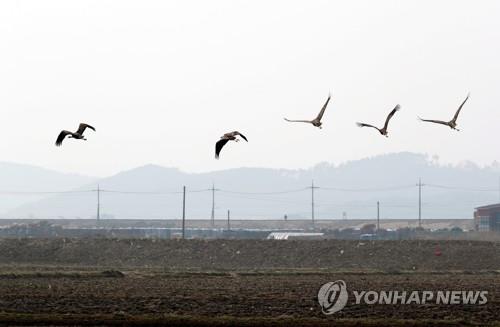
(361, 205)
(277, 196)
(460, 188)
(43, 192)
(265, 193)
(375, 189)
(271, 199)
(322, 188)
(152, 192)
(325, 188)
(140, 192)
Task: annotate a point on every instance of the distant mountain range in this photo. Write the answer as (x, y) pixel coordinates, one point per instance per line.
(17, 179)
(349, 190)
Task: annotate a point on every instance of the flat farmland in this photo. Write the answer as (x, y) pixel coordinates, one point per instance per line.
(251, 283)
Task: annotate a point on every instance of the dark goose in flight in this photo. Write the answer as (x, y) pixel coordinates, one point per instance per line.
(75, 135)
(316, 121)
(452, 123)
(226, 138)
(383, 130)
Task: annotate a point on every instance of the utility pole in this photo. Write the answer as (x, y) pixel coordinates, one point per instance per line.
(312, 201)
(378, 217)
(184, 212)
(228, 219)
(212, 219)
(420, 202)
(98, 204)
(499, 189)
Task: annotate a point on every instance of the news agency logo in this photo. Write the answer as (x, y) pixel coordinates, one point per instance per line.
(333, 297)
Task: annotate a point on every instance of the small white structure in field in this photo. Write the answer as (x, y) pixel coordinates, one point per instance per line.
(295, 236)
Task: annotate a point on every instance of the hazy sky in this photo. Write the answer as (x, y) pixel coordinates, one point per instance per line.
(163, 80)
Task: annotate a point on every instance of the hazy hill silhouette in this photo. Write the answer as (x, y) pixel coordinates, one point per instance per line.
(353, 188)
(26, 178)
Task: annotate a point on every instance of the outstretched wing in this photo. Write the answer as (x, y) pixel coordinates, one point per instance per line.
(366, 125)
(320, 115)
(298, 121)
(82, 128)
(434, 121)
(460, 108)
(61, 137)
(219, 145)
(396, 108)
(242, 136)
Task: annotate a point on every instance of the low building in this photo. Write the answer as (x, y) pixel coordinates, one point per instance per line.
(295, 236)
(487, 218)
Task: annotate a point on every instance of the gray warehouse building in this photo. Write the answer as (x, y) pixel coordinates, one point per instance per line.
(487, 218)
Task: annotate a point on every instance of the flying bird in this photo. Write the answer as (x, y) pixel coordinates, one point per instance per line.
(316, 121)
(75, 135)
(226, 138)
(383, 130)
(452, 123)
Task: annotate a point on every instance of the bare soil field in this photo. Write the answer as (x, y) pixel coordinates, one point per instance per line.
(249, 283)
(388, 256)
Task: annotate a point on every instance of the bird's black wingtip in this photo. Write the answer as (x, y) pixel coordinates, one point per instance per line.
(88, 126)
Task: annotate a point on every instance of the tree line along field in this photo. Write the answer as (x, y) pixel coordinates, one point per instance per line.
(250, 282)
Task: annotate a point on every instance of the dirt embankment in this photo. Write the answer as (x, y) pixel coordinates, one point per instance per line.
(336, 255)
